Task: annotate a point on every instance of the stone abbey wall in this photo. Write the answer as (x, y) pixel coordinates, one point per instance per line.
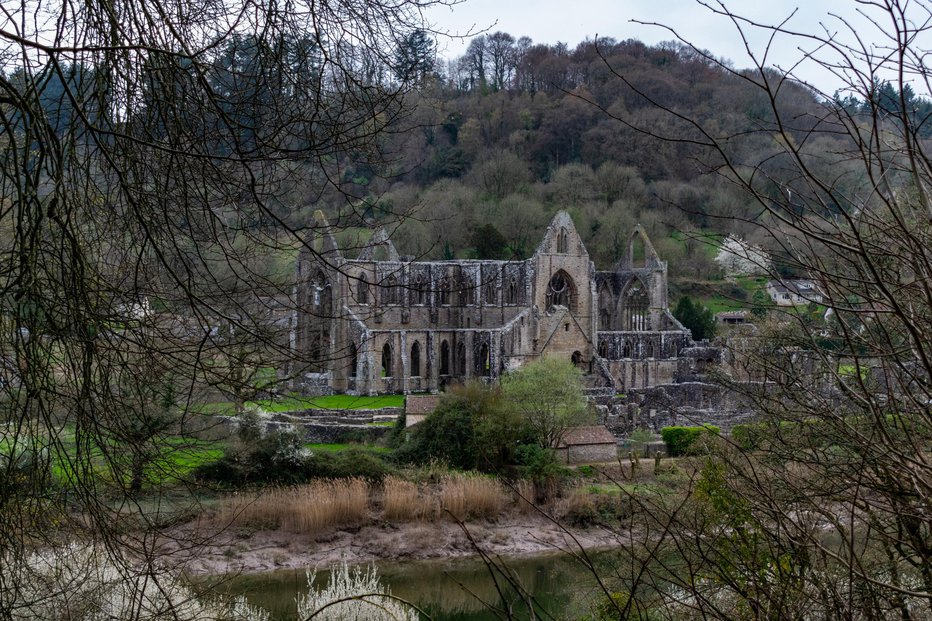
(379, 323)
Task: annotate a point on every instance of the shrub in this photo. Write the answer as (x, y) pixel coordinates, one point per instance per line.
(447, 433)
(348, 463)
(748, 437)
(587, 506)
(353, 595)
(680, 440)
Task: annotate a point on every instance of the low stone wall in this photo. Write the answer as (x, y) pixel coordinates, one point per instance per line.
(328, 426)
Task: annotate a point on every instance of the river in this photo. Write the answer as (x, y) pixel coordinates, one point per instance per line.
(454, 590)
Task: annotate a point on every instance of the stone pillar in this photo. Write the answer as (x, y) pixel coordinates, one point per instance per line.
(405, 363)
(432, 362)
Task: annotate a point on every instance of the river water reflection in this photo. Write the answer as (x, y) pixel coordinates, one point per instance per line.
(460, 590)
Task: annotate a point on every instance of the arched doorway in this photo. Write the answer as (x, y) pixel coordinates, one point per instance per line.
(576, 358)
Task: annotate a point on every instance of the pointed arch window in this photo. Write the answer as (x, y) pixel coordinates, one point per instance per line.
(603, 350)
(561, 291)
(354, 359)
(419, 294)
(416, 359)
(445, 291)
(393, 290)
(387, 360)
(511, 292)
(444, 358)
(562, 241)
(362, 289)
(490, 291)
(635, 307)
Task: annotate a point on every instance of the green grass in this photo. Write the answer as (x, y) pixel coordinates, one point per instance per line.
(177, 457)
(295, 404)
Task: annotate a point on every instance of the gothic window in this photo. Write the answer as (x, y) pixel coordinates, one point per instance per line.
(444, 358)
(445, 291)
(416, 359)
(393, 290)
(362, 289)
(490, 291)
(511, 293)
(387, 360)
(419, 294)
(560, 291)
(562, 241)
(626, 350)
(635, 307)
(603, 350)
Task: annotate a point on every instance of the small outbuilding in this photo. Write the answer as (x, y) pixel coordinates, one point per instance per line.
(417, 407)
(587, 445)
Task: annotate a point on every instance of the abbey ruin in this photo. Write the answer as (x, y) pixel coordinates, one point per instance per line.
(380, 323)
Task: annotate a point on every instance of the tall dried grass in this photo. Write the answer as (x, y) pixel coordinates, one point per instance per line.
(403, 501)
(471, 496)
(302, 509)
(525, 493)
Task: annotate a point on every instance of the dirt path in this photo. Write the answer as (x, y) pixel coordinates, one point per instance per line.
(249, 550)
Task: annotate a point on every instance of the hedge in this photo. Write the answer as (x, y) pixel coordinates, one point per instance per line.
(680, 439)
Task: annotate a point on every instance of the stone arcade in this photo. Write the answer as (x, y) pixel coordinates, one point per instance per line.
(380, 323)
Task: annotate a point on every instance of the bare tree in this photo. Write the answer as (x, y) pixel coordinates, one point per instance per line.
(158, 161)
(821, 509)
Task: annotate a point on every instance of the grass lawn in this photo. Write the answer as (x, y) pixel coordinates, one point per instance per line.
(177, 457)
(326, 402)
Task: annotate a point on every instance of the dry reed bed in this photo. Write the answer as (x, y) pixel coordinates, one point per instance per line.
(302, 509)
(340, 503)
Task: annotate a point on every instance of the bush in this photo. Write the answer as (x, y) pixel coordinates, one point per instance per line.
(540, 466)
(447, 434)
(680, 440)
(748, 437)
(351, 462)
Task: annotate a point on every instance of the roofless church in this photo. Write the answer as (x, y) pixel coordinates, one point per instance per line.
(380, 323)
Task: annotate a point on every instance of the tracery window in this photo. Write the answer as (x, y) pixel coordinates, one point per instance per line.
(635, 307)
(560, 291)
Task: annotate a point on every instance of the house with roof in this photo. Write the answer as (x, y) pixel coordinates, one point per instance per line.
(794, 292)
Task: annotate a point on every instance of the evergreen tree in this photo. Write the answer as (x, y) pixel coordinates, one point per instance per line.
(696, 318)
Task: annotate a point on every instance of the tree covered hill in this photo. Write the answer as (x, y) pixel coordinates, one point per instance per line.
(513, 131)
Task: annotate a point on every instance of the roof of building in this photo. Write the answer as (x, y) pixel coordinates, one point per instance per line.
(421, 404)
(798, 287)
(736, 314)
(589, 434)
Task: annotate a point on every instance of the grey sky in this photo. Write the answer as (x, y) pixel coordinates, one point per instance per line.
(549, 21)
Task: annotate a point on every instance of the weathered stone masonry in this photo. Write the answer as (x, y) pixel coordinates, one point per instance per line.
(380, 323)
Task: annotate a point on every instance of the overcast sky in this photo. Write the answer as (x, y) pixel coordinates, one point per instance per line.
(572, 21)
